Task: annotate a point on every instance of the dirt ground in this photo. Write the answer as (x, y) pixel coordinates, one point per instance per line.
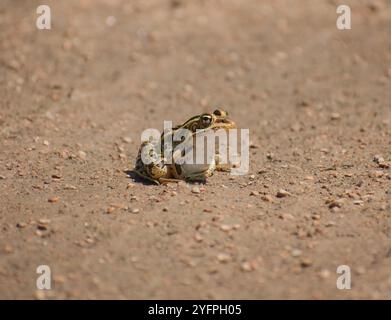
(75, 99)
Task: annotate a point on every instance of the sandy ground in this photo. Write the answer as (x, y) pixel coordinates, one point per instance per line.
(75, 99)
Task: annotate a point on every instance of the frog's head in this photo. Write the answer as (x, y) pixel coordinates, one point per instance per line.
(217, 120)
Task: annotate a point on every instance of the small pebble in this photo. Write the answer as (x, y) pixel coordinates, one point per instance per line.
(324, 274)
(69, 187)
(282, 193)
(53, 199)
(335, 116)
(8, 249)
(82, 155)
(223, 257)
(21, 225)
(376, 174)
(44, 221)
(110, 210)
(306, 262)
(225, 228)
(378, 159)
(40, 295)
(385, 165)
(111, 21)
(127, 139)
(330, 224)
(196, 190)
(286, 216)
(334, 203)
(296, 253)
(267, 198)
(42, 227)
(246, 266)
(59, 279)
(198, 237)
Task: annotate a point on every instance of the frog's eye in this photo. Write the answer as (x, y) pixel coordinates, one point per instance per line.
(206, 120)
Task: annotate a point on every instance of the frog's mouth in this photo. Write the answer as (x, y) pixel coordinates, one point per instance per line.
(224, 124)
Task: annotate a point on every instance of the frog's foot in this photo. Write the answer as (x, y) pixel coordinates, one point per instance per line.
(223, 167)
(227, 167)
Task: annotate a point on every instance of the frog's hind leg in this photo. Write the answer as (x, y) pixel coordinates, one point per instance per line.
(142, 171)
(145, 176)
(155, 169)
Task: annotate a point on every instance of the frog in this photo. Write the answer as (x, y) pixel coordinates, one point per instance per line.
(161, 171)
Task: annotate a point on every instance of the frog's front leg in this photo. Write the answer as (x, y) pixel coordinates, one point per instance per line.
(157, 171)
(226, 167)
(199, 173)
